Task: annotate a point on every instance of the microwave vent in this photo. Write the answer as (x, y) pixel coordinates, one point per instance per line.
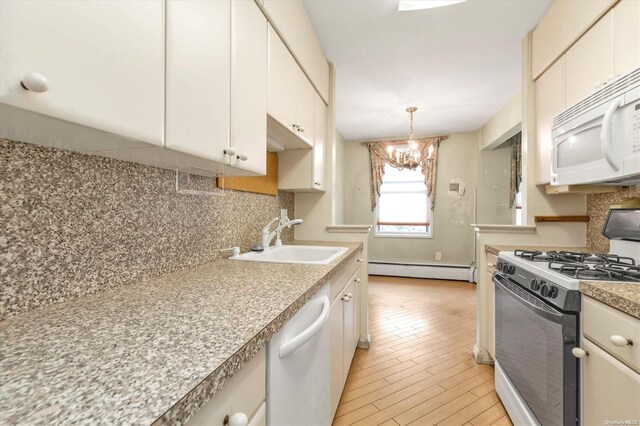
(607, 93)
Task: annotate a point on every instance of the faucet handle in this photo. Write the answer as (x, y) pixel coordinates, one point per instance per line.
(268, 225)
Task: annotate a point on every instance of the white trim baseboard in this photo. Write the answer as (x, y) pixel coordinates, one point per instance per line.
(438, 272)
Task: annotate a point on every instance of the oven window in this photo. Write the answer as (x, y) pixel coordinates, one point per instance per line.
(529, 349)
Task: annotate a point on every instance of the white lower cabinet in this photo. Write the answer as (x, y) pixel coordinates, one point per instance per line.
(243, 394)
(610, 367)
(611, 390)
(345, 332)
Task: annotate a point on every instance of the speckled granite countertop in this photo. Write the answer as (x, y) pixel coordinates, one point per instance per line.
(624, 297)
(152, 351)
(619, 295)
(496, 248)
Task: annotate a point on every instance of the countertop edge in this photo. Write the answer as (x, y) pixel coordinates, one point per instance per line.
(187, 406)
(598, 290)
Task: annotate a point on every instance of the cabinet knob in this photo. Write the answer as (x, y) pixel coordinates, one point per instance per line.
(295, 126)
(491, 265)
(300, 129)
(316, 183)
(360, 260)
(243, 157)
(35, 82)
(237, 419)
(346, 298)
(349, 295)
(230, 151)
(358, 280)
(620, 341)
(579, 352)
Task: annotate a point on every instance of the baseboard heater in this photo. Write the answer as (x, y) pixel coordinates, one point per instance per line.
(414, 270)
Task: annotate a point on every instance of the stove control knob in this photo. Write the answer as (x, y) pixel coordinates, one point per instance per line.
(535, 284)
(553, 292)
(499, 266)
(544, 290)
(512, 270)
(505, 268)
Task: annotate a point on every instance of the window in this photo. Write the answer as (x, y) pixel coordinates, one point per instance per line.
(403, 207)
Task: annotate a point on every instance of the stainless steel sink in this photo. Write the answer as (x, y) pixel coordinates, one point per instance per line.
(310, 255)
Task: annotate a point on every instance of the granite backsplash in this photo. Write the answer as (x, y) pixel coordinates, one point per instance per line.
(597, 208)
(74, 224)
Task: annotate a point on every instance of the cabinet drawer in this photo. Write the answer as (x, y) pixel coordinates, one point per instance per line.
(340, 279)
(600, 322)
(244, 392)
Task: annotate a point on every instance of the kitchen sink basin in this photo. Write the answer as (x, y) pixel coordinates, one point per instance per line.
(310, 255)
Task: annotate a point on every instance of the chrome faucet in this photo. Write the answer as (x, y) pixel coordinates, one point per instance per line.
(268, 236)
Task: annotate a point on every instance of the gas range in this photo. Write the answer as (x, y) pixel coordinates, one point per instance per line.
(555, 275)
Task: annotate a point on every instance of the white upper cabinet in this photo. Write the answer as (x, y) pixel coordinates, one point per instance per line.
(302, 170)
(217, 81)
(291, 96)
(198, 95)
(590, 61)
(249, 51)
(283, 75)
(100, 65)
(561, 26)
(319, 135)
(626, 36)
(291, 20)
(549, 101)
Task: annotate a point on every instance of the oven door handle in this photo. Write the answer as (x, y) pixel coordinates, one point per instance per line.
(555, 316)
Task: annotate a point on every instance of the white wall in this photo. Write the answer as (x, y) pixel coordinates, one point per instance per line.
(452, 233)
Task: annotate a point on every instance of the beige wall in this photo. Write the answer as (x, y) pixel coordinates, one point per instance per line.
(503, 125)
(452, 235)
(494, 180)
(338, 180)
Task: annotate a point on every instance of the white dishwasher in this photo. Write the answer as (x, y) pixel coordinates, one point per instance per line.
(298, 367)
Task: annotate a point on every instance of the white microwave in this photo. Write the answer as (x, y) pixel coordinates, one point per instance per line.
(598, 139)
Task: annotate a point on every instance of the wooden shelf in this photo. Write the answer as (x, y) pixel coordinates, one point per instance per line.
(538, 219)
(580, 189)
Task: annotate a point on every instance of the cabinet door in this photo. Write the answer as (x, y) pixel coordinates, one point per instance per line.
(282, 82)
(611, 390)
(491, 316)
(626, 36)
(249, 62)
(198, 95)
(349, 320)
(320, 130)
(305, 105)
(550, 100)
(104, 61)
(338, 374)
(590, 60)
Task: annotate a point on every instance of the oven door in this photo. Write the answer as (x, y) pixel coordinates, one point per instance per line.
(533, 347)
(590, 147)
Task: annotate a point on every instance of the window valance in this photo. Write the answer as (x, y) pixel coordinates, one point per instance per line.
(381, 154)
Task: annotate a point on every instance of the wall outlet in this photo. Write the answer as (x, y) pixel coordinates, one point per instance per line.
(284, 214)
(438, 255)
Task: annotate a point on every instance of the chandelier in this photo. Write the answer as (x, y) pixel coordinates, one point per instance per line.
(410, 157)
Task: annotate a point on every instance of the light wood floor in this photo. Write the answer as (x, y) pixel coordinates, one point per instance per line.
(420, 367)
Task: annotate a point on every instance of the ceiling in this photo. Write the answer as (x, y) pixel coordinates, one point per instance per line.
(458, 64)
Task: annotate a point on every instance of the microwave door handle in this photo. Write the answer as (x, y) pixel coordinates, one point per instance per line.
(607, 134)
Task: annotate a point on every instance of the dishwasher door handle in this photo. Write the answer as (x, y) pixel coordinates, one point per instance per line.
(291, 345)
